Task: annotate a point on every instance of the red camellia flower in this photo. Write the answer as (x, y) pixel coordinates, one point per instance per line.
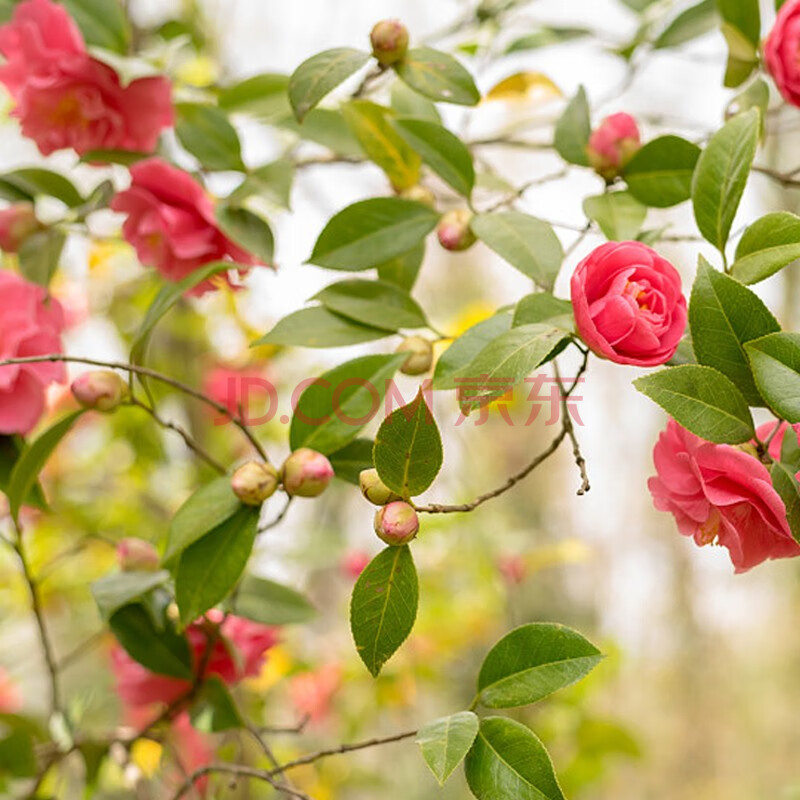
(10, 700)
(613, 144)
(238, 653)
(171, 223)
(65, 98)
(720, 494)
(767, 431)
(628, 304)
(781, 51)
(30, 325)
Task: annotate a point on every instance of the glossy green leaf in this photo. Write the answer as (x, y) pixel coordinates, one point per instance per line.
(723, 316)
(508, 762)
(37, 182)
(408, 103)
(786, 485)
(248, 230)
(17, 752)
(532, 662)
(767, 246)
(546, 36)
(319, 327)
(384, 606)
(102, 23)
(371, 232)
(208, 135)
(11, 447)
(439, 76)
(210, 568)
(703, 400)
(349, 461)
(775, 360)
(374, 303)
(756, 95)
(619, 214)
(660, 174)
(336, 406)
(320, 74)
(271, 181)
(402, 270)
(573, 130)
(691, 23)
(123, 157)
(408, 449)
(444, 742)
(527, 243)
(721, 174)
(262, 96)
(271, 603)
(214, 710)
(543, 307)
(119, 589)
(40, 254)
(742, 55)
(326, 126)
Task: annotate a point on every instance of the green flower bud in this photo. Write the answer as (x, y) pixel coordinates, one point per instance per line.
(306, 473)
(100, 389)
(374, 489)
(389, 40)
(254, 482)
(454, 232)
(420, 356)
(396, 523)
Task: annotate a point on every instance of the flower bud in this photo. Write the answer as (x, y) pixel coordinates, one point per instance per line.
(100, 389)
(420, 356)
(396, 523)
(389, 39)
(306, 473)
(454, 232)
(17, 223)
(137, 555)
(374, 489)
(613, 144)
(254, 482)
(420, 194)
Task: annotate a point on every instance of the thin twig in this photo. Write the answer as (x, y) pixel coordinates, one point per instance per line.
(567, 422)
(272, 523)
(241, 771)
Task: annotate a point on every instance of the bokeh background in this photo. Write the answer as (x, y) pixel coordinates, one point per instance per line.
(699, 697)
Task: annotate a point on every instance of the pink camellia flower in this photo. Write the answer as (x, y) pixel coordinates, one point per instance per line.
(354, 563)
(720, 494)
(765, 431)
(512, 568)
(613, 144)
(192, 750)
(312, 692)
(628, 304)
(10, 700)
(17, 223)
(30, 325)
(780, 51)
(171, 223)
(238, 653)
(236, 388)
(65, 98)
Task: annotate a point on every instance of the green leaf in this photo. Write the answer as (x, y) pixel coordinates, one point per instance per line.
(320, 74)
(527, 243)
(371, 232)
(384, 606)
(247, 230)
(270, 603)
(546, 36)
(441, 150)
(692, 23)
(744, 16)
(508, 762)
(380, 140)
(619, 214)
(102, 23)
(32, 460)
(756, 95)
(17, 753)
(122, 157)
(742, 55)
(775, 360)
(40, 254)
(271, 181)
(660, 174)
(210, 568)
(37, 182)
(408, 449)
(408, 103)
(703, 400)
(349, 461)
(214, 709)
(465, 349)
(543, 307)
(205, 132)
(402, 270)
(444, 742)
(262, 96)
(437, 75)
(206, 509)
(721, 175)
(532, 662)
(785, 484)
(119, 589)
(723, 316)
(336, 406)
(573, 130)
(767, 246)
(11, 447)
(375, 303)
(164, 652)
(326, 126)
(318, 327)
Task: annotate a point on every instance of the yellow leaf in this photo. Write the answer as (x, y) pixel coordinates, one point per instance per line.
(531, 87)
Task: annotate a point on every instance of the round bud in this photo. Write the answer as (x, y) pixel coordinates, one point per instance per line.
(420, 355)
(254, 482)
(137, 555)
(612, 145)
(100, 389)
(374, 489)
(420, 194)
(17, 223)
(454, 232)
(389, 39)
(396, 523)
(306, 473)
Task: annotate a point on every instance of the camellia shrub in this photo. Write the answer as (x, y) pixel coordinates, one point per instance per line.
(190, 623)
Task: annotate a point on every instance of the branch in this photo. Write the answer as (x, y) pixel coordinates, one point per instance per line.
(240, 771)
(567, 421)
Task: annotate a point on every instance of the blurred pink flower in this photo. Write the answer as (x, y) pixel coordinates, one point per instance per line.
(191, 748)
(312, 692)
(354, 563)
(512, 568)
(763, 432)
(10, 698)
(234, 387)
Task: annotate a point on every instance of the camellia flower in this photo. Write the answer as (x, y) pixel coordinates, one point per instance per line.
(613, 144)
(628, 304)
(17, 223)
(238, 652)
(767, 430)
(233, 387)
(780, 51)
(10, 700)
(30, 325)
(171, 223)
(720, 494)
(312, 692)
(67, 99)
